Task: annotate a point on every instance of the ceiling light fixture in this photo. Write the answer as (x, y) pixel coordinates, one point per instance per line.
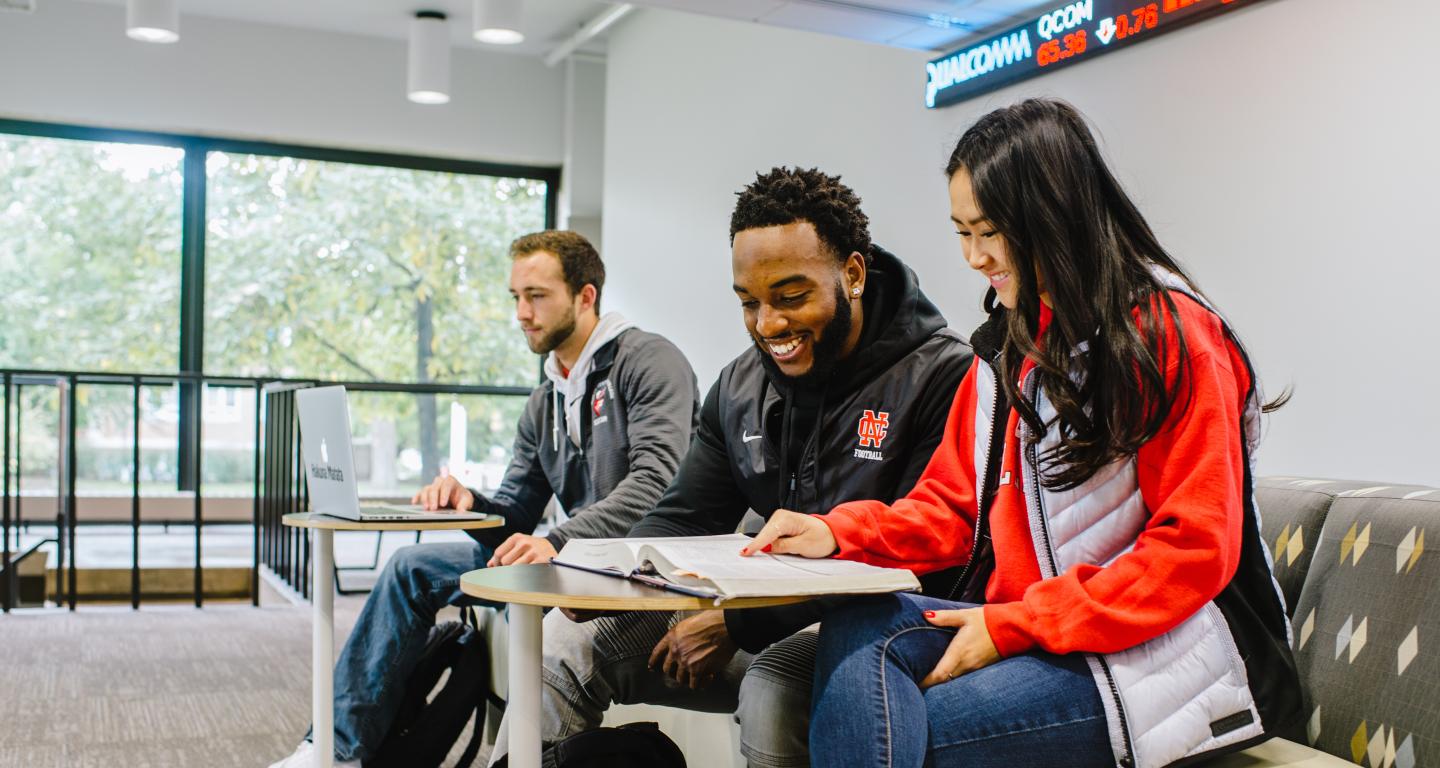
(429, 73)
(498, 21)
(153, 21)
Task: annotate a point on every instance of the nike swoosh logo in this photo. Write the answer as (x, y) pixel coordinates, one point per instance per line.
(746, 437)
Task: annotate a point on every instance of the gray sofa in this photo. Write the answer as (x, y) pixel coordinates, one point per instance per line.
(1350, 558)
(1360, 588)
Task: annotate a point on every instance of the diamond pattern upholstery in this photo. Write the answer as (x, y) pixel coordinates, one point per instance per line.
(1367, 624)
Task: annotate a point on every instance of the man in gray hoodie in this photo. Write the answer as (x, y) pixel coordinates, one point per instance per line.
(603, 434)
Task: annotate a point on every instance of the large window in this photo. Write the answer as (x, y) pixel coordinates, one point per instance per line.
(368, 273)
(290, 262)
(89, 254)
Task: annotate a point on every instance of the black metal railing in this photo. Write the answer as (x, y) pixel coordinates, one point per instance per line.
(278, 487)
(285, 551)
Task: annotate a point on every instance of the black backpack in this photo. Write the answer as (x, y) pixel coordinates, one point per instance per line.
(629, 746)
(426, 727)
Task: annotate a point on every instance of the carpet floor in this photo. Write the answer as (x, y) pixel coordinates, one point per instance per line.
(165, 686)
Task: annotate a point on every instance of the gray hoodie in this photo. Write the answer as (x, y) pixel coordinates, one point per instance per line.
(571, 388)
(631, 423)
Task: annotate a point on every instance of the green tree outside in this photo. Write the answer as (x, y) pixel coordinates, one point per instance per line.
(329, 270)
(355, 272)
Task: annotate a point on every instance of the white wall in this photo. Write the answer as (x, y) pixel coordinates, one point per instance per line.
(1295, 176)
(1292, 174)
(71, 62)
(583, 180)
(696, 106)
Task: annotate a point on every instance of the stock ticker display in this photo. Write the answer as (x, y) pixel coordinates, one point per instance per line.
(1064, 35)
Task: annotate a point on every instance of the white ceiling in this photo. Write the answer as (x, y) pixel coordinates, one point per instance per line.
(546, 22)
(918, 24)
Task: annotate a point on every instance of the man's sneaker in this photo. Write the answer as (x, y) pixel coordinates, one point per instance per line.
(305, 756)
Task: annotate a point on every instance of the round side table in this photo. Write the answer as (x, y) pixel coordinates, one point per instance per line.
(528, 589)
(322, 596)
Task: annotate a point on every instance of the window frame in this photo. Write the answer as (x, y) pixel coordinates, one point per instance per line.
(191, 344)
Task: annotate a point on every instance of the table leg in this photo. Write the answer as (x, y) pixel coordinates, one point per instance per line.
(322, 651)
(523, 709)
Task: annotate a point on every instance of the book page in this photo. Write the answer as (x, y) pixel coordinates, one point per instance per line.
(612, 555)
(716, 561)
(619, 555)
(706, 557)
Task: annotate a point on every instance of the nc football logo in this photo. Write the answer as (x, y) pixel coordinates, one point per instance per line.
(873, 427)
(597, 402)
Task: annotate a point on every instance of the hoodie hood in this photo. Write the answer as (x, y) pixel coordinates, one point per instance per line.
(989, 338)
(569, 390)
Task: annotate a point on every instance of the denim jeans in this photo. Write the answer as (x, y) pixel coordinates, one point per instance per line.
(1035, 709)
(590, 665)
(389, 635)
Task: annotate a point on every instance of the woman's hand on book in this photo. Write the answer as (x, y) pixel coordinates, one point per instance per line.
(792, 533)
(695, 650)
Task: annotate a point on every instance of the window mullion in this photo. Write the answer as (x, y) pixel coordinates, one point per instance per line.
(192, 310)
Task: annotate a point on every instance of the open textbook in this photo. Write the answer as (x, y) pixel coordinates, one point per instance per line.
(711, 566)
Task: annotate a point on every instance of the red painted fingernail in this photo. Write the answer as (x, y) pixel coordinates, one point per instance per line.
(767, 547)
(929, 614)
(744, 550)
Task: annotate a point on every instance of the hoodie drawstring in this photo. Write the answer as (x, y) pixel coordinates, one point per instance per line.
(557, 415)
(571, 387)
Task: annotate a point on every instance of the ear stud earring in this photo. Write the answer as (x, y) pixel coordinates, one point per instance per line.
(855, 291)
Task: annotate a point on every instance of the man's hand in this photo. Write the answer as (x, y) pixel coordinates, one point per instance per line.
(520, 548)
(695, 650)
(791, 533)
(445, 493)
(969, 650)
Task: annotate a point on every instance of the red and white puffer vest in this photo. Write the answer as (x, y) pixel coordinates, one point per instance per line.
(1187, 692)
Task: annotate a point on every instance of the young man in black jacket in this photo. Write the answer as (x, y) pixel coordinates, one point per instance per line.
(603, 435)
(842, 395)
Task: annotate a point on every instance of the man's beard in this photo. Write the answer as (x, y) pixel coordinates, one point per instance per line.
(826, 352)
(548, 342)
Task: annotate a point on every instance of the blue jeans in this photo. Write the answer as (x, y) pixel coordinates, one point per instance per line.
(1036, 709)
(389, 635)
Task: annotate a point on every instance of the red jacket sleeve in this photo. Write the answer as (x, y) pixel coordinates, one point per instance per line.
(932, 527)
(1191, 478)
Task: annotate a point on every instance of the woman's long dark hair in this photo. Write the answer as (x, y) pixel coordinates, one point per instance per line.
(1039, 179)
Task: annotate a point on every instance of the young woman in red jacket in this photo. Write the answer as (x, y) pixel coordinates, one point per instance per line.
(1118, 606)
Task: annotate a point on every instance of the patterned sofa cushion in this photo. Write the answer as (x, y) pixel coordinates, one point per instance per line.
(1292, 511)
(1367, 629)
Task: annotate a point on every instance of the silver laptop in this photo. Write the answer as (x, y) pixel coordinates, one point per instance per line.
(330, 466)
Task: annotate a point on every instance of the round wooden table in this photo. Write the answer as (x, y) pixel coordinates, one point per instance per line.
(528, 589)
(322, 596)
